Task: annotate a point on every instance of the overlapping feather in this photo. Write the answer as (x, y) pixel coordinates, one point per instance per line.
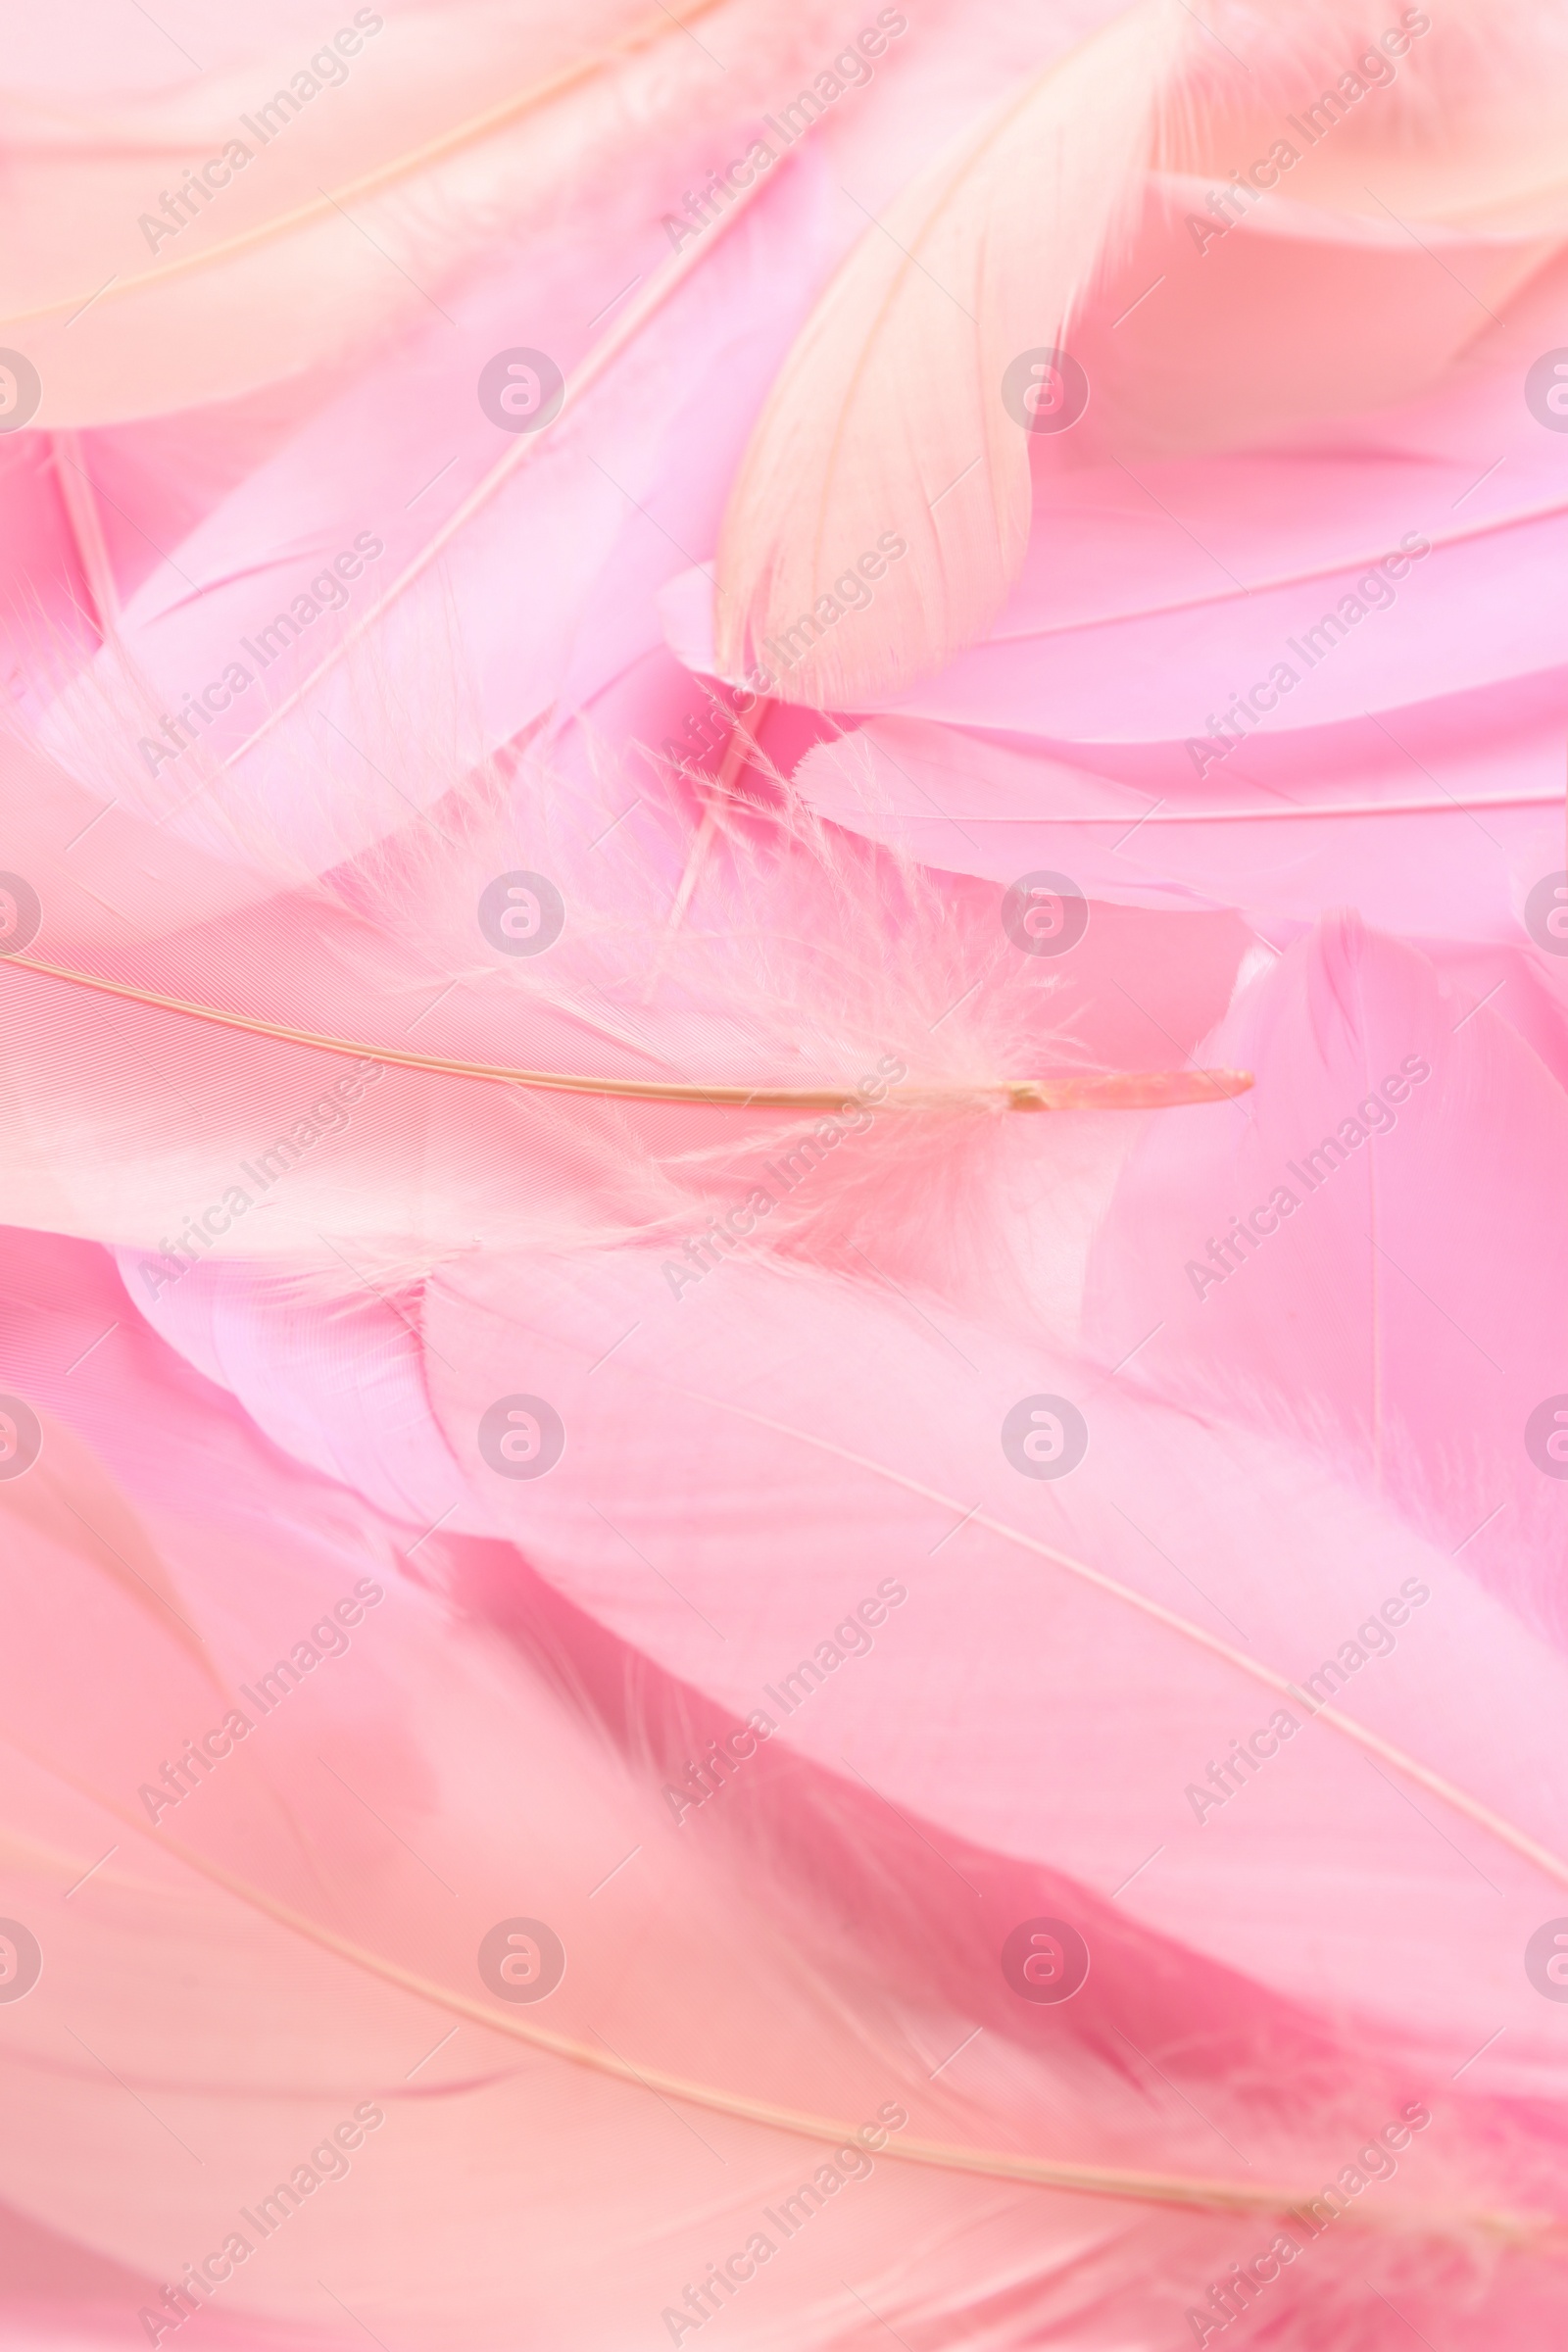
(765, 1422)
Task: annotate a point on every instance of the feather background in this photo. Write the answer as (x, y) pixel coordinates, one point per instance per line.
(781, 1188)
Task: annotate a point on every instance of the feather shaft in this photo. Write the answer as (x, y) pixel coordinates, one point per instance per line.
(384, 175)
(1084, 2180)
(602, 354)
(1371, 1743)
(1103, 1089)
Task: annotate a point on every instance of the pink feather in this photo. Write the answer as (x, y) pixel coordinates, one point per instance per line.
(631, 1458)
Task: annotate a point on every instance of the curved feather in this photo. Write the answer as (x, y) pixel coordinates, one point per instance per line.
(494, 2145)
(940, 295)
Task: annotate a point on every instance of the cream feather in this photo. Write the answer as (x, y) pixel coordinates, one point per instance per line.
(889, 416)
